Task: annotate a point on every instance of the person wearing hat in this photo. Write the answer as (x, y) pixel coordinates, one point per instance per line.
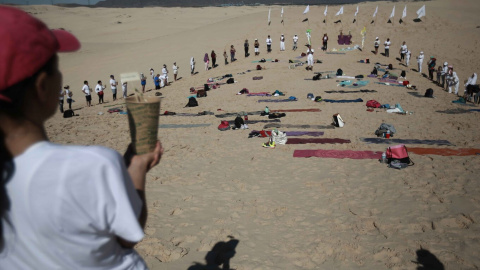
(269, 44)
(295, 40)
(256, 45)
(69, 95)
(245, 47)
(282, 43)
(444, 74)
(175, 71)
(113, 86)
(420, 62)
(376, 45)
(431, 67)
(62, 206)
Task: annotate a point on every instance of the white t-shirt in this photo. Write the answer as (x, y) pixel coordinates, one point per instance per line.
(113, 84)
(86, 90)
(68, 206)
(62, 93)
(403, 48)
(295, 39)
(310, 52)
(99, 88)
(164, 71)
(387, 44)
(175, 69)
(67, 93)
(269, 41)
(282, 39)
(124, 87)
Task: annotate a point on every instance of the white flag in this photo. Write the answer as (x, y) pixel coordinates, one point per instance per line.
(269, 14)
(375, 13)
(281, 14)
(325, 12)
(393, 12)
(356, 12)
(307, 9)
(404, 12)
(421, 12)
(340, 11)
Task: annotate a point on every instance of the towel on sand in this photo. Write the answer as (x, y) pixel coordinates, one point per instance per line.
(338, 154)
(278, 125)
(315, 140)
(405, 141)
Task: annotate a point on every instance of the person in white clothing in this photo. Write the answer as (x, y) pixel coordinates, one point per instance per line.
(269, 44)
(192, 66)
(88, 93)
(443, 74)
(69, 95)
(376, 44)
(63, 206)
(408, 56)
(99, 90)
(403, 51)
(152, 74)
(124, 89)
(452, 80)
(420, 62)
(282, 43)
(310, 52)
(387, 47)
(165, 74)
(295, 40)
(113, 85)
(175, 71)
(470, 81)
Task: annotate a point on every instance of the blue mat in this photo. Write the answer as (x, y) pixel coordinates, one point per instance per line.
(405, 141)
(343, 100)
(183, 126)
(275, 100)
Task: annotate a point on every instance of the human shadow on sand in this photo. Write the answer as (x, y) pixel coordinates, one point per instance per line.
(427, 261)
(220, 255)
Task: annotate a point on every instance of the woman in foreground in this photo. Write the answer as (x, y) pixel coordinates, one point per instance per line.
(61, 207)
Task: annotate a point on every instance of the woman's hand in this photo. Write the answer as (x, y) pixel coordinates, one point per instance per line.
(139, 165)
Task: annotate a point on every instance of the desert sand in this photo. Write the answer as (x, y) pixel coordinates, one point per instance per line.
(282, 212)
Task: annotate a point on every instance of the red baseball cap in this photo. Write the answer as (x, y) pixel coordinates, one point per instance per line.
(26, 44)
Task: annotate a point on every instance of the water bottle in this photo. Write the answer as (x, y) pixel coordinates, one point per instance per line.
(267, 111)
(384, 157)
(388, 134)
(246, 117)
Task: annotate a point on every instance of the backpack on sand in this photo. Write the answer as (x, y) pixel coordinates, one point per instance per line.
(68, 114)
(239, 122)
(339, 72)
(429, 93)
(201, 93)
(192, 102)
(317, 77)
(230, 81)
(338, 121)
(398, 155)
(373, 104)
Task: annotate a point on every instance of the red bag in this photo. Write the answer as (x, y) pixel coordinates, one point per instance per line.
(373, 104)
(406, 83)
(399, 152)
(224, 125)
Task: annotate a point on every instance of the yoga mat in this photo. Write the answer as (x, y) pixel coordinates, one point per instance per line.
(474, 110)
(276, 100)
(248, 122)
(338, 154)
(278, 125)
(454, 111)
(405, 141)
(266, 133)
(444, 151)
(225, 115)
(343, 100)
(183, 126)
(318, 141)
(351, 91)
(266, 60)
(264, 94)
(389, 84)
(335, 53)
(297, 110)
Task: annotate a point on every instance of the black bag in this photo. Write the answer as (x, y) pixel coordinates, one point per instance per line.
(390, 66)
(318, 98)
(374, 71)
(206, 87)
(230, 81)
(403, 74)
(317, 77)
(192, 102)
(68, 114)
(429, 93)
(339, 72)
(359, 77)
(239, 122)
(201, 93)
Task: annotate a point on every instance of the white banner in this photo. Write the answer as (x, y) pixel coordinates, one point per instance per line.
(281, 14)
(325, 12)
(340, 11)
(421, 12)
(307, 10)
(356, 12)
(393, 12)
(404, 12)
(375, 13)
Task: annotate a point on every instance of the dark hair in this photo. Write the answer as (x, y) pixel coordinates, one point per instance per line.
(85, 82)
(99, 81)
(14, 109)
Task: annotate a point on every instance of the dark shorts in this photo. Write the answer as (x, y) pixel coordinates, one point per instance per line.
(89, 97)
(157, 87)
(144, 82)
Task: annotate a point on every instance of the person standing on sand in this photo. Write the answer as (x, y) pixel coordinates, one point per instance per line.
(269, 44)
(232, 54)
(431, 67)
(376, 45)
(124, 89)
(444, 74)
(225, 56)
(387, 47)
(256, 44)
(206, 60)
(325, 42)
(408, 56)
(62, 96)
(165, 74)
(113, 85)
(452, 80)
(143, 82)
(62, 206)
(420, 62)
(403, 51)
(69, 95)
(282, 43)
(192, 66)
(310, 52)
(157, 82)
(87, 91)
(214, 58)
(99, 90)
(175, 71)
(245, 47)
(295, 40)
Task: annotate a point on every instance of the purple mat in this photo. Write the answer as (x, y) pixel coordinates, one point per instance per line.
(321, 141)
(264, 94)
(299, 133)
(338, 154)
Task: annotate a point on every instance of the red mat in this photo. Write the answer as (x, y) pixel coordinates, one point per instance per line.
(298, 110)
(444, 151)
(322, 141)
(338, 154)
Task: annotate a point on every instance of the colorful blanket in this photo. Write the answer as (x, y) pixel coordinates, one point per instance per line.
(343, 100)
(225, 115)
(248, 122)
(351, 91)
(275, 125)
(338, 154)
(405, 141)
(315, 140)
(266, 133)
(444, 151)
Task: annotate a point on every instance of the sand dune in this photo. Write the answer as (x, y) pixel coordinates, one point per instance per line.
(286, 213)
